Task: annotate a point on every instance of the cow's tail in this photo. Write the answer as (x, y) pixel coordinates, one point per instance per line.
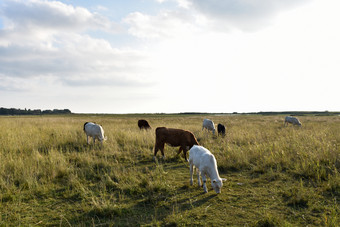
(84, 126)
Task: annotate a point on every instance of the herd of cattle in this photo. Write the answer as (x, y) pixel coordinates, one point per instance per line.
(199, 157)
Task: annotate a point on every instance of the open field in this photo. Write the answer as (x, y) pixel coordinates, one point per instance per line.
(276, 176)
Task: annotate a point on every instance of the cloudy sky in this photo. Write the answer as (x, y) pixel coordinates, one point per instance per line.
(153, 56)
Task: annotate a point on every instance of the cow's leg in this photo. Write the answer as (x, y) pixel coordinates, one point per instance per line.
(87, 139)
(185, 154)
(162, 150)
(179, 150)
(155, 150)
(94, 140)
(204, 179)
(157, 147)
(191, 173)
(198, 177)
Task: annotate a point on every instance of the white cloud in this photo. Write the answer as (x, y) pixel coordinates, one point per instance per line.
(166, 24)
(290, 65)
(36, 22)
(48, 39)
(51, 16)
(196, 17)
(181, 3)
(248, 15)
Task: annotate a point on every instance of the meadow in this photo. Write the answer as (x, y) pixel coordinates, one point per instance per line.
(276, 175)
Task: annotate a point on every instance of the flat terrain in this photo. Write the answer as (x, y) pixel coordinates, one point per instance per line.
(276, 175)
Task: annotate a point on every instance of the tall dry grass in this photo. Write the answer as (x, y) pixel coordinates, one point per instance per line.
(49, 175)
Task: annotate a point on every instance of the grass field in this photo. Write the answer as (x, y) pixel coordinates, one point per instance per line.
(276, 175)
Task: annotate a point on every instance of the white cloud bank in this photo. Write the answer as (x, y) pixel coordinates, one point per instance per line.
(246, 55)
(44, 40)
(249, 15)
(211, 56)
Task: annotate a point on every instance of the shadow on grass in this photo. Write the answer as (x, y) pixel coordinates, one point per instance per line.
(199, 199)
(142, 213)
(145, 208)
(71, 146)
(146, 203)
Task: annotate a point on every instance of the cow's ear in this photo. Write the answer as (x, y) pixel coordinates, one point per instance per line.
(223, 179)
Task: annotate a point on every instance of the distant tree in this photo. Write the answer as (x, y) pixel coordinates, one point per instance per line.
(13, 111)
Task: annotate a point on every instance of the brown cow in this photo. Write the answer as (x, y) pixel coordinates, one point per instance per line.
(143, 124)
(174, 137)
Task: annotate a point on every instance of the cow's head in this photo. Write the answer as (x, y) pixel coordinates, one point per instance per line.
(217, 184)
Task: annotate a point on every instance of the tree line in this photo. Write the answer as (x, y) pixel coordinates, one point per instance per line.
(14, 111)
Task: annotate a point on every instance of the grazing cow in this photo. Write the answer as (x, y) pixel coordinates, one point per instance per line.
(174, 137)
(292, 120)
(95, 131)
(143, 124)
(221, 129)
(206, 165)
(209, 125)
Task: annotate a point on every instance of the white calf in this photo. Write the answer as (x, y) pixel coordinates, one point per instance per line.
(95, 131)
(292, 120)
(206, 165)
(209, 124)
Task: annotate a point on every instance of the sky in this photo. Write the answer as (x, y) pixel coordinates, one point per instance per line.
(170, 56)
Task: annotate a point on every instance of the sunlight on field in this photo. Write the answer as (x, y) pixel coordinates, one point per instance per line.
(276, 175)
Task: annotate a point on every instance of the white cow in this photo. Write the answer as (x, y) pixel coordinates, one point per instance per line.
(206, 165)
(95, 131)
(292, 120)
(209, 125)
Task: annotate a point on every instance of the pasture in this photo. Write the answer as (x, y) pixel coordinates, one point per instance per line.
(276, 175)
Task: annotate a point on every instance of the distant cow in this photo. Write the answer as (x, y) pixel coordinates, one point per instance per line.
(209, 125)
(174, 137)
(143, 124)
(221, 129)
(202, 159)
(95, 131)
(292, 120)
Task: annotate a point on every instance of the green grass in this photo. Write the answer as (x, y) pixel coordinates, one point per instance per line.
(276, 175)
